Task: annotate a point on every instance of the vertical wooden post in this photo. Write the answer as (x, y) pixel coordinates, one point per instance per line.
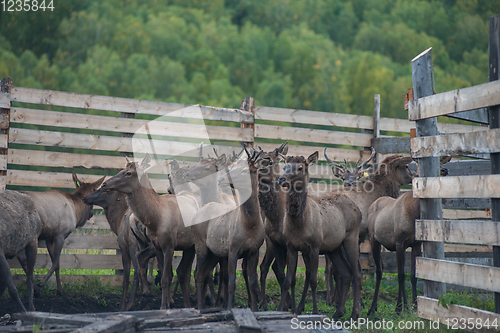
(5, 87)
(494, 120)
(248, 104)
(376, 125)
(431, 209)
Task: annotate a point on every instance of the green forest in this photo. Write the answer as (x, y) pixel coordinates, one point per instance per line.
(324, 55)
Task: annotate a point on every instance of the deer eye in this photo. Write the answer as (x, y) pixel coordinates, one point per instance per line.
(207, 168)
(300, 168)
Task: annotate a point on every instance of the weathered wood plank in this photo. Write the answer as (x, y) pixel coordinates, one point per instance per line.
(467, 203)
(3, 141)
(88, 242)
(5, 100)
(112, 324)
(3, 162)
(477, 116)
(429, 308)
(391, 145)
(466, 99)
(245, 320)
(484, 142)
(97, 222)
(467, 275)
(312, 135)
(76, 261)
(479, 186)
(336, 154)
(47, 318)
(458, 231)
(49, 97)
(467, 167)
(128, 125)
(459, 214)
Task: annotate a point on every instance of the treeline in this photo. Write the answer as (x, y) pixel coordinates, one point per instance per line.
(328, 55)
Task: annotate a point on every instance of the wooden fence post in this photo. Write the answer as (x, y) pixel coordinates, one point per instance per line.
(431, 209)
(248, 104)
(376, 125)
(494, 120)
(5, 87)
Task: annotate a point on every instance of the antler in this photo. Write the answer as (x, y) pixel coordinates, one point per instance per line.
(365, 162)
(334, 163)
(201, 151)
(215, 152)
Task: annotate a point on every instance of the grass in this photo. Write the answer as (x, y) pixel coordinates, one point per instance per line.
(384, 320)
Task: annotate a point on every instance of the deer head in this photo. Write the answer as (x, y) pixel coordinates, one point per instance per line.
(349, 175)
(296, 171)
(131, 177)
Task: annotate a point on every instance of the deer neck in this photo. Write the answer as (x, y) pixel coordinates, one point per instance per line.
(82, 210)
(296, 205)
(271, 200)
(145, 204)
(209, 189)
(250, 210)
(385, 186)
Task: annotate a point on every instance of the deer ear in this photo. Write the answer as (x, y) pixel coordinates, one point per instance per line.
(99, 182)
(338, 172)
(145, 161)
(174, 166)
(283, 149)
(313, 158)
(75, 179)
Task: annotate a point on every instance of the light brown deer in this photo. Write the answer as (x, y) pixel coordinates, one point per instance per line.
(119, 217)
(232, 234)
(391, 223)
(20, 226)
(318, 224)
(61, 213)
(165, 217)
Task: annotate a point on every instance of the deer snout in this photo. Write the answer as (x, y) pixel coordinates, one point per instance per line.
(348, 183)
(282, 181)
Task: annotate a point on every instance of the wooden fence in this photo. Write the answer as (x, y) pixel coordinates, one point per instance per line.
(432, 228)
(44, 135)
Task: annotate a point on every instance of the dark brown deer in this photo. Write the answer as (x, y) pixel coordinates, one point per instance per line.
(391, 223)
(119, 217)
(349, 176)
(166, 217)
(20, 226)
(232, 234)
(61, 213)
(318, 224)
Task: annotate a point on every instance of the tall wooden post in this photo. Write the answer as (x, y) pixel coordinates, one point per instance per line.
(376, 124)
(430, 209)
(5, 104)
(248, 104)
(494, 120)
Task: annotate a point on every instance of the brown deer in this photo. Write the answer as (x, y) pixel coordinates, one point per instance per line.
(318, 224)
(391, 223)
(231, 233)
(61, 213)
(349, 176)
(272, 201)
(166, 217)
(20, 226)
(119, 218)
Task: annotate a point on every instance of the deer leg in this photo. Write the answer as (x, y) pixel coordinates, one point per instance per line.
(54, 248)
(143, 257)
(292, 257)
(126, 276)
(279, 267)
(244, 272)
(166, 278)
(416, 251)
(376, 247)
(7, 279)
(252, 263)
(184, 274)
(21, 257)
(328, 280)
(132, 255)
(223, 285)
(264, 270)
(351, 247)
(400, 258)
(31, 251)
(231, 269)
(307, 262)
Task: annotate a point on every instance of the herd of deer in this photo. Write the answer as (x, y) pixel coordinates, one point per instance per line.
(218, 227)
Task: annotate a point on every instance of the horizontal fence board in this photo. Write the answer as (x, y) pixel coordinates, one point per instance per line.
(128, 125)
(467, 275)
(76, 261)
(458, 214)
(106, 103)
(458, 231)
(477, 116)
(63, 180)
(78, 241)
(108, 143)
(481, 186)
(335, 154)
(467, 167)
(3, 140)
(5, 100)
(312, 135)
(453, 317)
(96, 222)
(466, 99)
(467, 203)
(484, 142)
(391, 145)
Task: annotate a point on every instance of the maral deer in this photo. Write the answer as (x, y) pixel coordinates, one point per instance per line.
(164, 221)
(61, 213)
(119, 216)
(318, 223)
(231, 233)
(20, 226)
